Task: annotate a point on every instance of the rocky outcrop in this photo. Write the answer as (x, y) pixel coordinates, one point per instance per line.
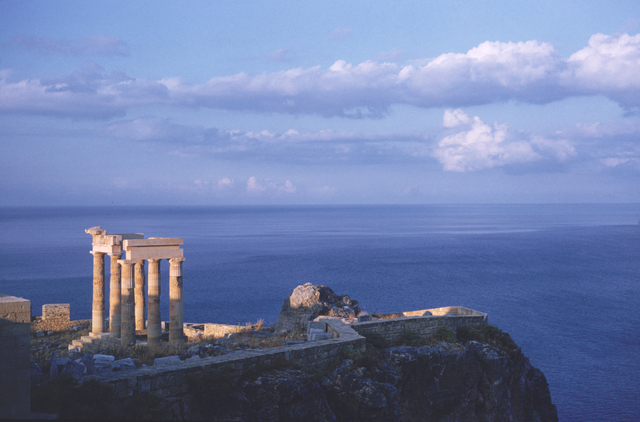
(472, 382)
(307, 302)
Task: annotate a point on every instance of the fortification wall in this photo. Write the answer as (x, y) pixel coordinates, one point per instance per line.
(171, 382)
(15, 393)
(393, 329)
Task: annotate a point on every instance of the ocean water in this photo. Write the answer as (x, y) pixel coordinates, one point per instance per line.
(563, 280)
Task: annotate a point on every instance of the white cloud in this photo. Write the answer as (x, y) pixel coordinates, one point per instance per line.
(611, 61)
(453, 118)
(616, 161)
(483, 146)
(287, 187)
(492, 72)
(225, 183)
(255, 187)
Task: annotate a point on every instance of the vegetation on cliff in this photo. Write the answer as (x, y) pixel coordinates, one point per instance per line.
(461, 380)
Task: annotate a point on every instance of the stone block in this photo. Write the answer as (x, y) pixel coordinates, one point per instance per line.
(145, 385)
(57, 365)
(74, 369)
(87, 361)
(364, 318)
(169, 360)
(126, 364)
(60, 311)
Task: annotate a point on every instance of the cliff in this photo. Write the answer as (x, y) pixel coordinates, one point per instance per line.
(447, 382)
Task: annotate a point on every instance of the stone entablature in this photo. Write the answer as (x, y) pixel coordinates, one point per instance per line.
(127, 285)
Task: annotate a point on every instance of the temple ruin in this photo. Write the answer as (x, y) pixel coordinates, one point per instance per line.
(127, 284)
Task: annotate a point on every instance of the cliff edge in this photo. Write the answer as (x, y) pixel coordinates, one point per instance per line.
(446, 382)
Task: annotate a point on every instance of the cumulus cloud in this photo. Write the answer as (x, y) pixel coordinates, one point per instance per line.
(255, 186)
(225, 183)
(483, 146)
(99, 45)
(530, 71)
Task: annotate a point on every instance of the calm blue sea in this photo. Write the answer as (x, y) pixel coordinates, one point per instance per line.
(563, 280)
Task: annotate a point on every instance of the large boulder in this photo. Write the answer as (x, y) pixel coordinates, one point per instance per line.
(307, 302)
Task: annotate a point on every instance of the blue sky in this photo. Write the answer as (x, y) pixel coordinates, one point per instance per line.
(327, 102)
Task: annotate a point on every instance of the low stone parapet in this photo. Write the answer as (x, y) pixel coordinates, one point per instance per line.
(172, 380)
(425, 322)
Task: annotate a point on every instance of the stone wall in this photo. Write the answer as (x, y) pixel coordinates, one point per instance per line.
(393, 329)
(15, 324)
(171, 382)
(57, 311)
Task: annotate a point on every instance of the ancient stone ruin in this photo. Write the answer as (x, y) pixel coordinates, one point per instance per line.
(306, 302)
(127, 284)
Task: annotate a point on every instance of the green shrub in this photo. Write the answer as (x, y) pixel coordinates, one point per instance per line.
(445, 334)
(489, 334)
(411, 338)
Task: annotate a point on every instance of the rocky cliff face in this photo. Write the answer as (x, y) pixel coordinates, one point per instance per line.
(444, 383)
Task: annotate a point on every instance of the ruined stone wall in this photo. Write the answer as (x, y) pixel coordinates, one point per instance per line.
(56, 311)
(219, 330)
(15, 393)
(171, 382)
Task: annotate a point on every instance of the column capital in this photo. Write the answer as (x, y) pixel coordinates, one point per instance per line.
(175, 260)
(127, 261)
(96, 252)
(116, 255)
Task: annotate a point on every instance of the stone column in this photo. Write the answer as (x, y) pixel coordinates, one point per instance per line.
(154, 329)
(176, 316)
(128, 327)
(97, 314)
(139, 295)
(114, 297)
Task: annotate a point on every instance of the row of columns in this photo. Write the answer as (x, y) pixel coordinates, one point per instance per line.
(126, 299)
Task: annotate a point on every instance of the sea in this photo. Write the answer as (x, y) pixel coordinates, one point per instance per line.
(562, 279)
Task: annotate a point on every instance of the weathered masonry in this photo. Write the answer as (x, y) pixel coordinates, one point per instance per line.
(15, 325)
(127, 285)
(170, 381)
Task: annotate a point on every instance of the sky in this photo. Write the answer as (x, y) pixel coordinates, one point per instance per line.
(319, 102)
